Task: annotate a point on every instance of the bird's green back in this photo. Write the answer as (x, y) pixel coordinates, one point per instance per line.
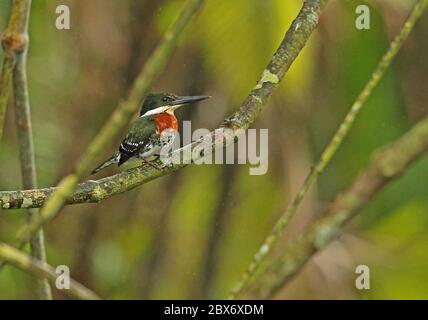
(141, 129)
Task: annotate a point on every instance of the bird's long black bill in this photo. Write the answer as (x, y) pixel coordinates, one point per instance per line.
(189, 99)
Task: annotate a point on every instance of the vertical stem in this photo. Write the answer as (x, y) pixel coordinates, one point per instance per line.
(12, 42)
(25, 138)
(5, 82)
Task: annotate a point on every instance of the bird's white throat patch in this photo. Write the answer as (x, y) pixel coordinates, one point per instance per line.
(167, 109)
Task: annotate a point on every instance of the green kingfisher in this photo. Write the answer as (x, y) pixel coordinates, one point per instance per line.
(152, 130)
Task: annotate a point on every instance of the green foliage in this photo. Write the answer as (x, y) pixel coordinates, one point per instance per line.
(399, 270)
(239, 37)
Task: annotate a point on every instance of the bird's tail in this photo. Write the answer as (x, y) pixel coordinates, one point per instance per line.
(112, 160)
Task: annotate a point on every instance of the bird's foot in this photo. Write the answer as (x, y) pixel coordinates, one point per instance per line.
(153, 164)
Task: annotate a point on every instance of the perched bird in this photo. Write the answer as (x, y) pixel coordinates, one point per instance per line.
(149, 133)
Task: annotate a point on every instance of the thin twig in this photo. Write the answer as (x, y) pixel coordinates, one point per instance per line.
(42, 270)
(387, 164)
(26, 147)
(330, 150)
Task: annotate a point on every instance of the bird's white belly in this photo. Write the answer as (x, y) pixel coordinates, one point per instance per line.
(150, 151)
(153, 149)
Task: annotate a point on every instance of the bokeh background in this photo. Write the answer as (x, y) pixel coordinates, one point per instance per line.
(191, 234)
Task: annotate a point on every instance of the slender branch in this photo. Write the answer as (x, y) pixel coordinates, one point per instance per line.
(387, 164)
(117, 121)
(91, 191)
(14, 42)
(42, 270)
(330, 150)
(26, 147)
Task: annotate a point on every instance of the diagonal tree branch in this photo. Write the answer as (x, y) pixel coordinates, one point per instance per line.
(86, 192)
(42, 270)
(330, 150)
(25, 138)
(387, 164)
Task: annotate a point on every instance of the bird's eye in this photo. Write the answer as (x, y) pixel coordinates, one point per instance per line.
(165, 99)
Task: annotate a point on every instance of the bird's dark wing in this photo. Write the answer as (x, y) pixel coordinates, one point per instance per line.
(127, 149)
(137, 138)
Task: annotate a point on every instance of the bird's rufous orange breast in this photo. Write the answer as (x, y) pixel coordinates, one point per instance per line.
(165, 121)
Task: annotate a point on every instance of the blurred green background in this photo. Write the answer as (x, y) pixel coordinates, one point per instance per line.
(191, 234)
